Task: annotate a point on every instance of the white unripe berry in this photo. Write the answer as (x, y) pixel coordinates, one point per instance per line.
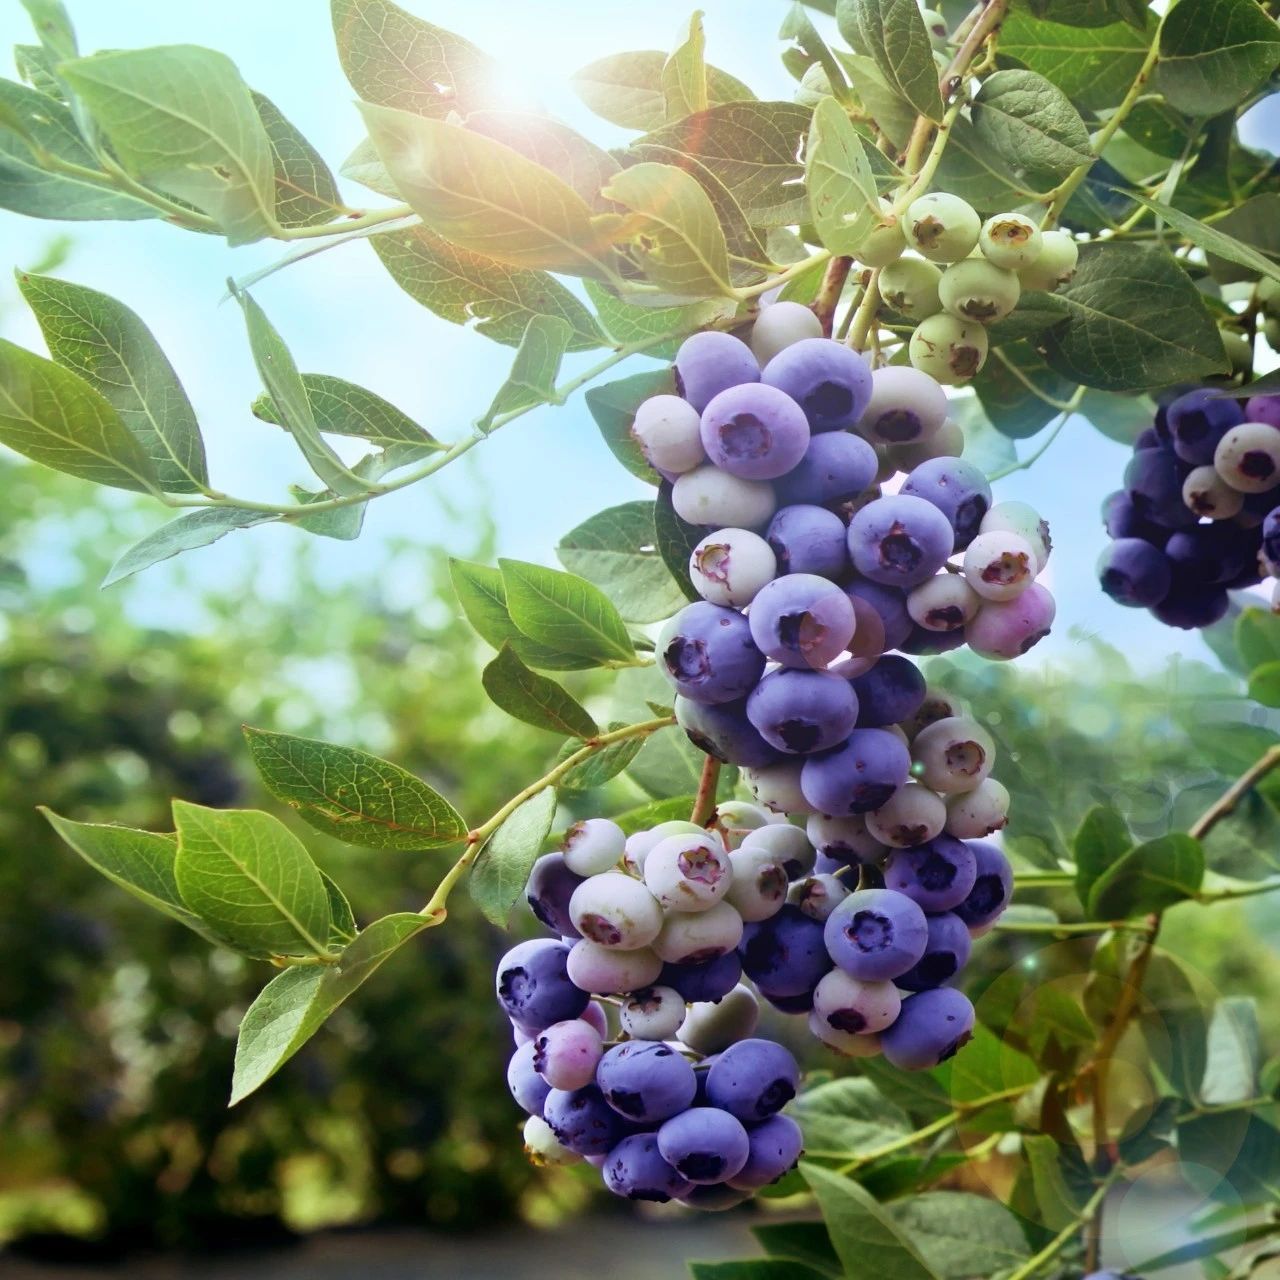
(818, 895)
(543, 1147)
(688, 872)
(943, 603)
(1207, 494)
(736, 818)
(759, 886)
(954, 755)
(615, 911)
(711, 1027)
(911, 816)
(696, 937)
(788, 844)
(639, 843)
(709, 496)
(948, 349)
(845, 838)
(566, 1053)
(669, 433)
(947, 442)
(999, 565)
(980, 812)
(847, 1043)
(604, 971)
(906, 406)
(1024, 520)
(592, 846)
(855, 1007)
(731, 565)
(777, 787)
(938, 704)
(654, 1013)
(1248, 457)
(778, 326)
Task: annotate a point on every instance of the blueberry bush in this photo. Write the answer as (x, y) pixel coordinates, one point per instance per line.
(968, 227)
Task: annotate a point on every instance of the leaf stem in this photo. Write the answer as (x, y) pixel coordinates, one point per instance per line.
(1063, 1238)
(1036, 454)
(1067, 927)
(704, 804)
(1226, 804)
(749, 291)
(356, 222)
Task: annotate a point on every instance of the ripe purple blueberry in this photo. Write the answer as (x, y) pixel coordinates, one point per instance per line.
(551, 885)
(706, 651)
(876, 935)
(802, 620)
(938, 876)
(582, 1120)
(836, 467)
(932, 1027)
(958, 489)
(945, 954)
(992, 886)
(646, 1081)
(1134, 573)
(753, 1080)
(857, 776)
(900, 541)
(635, 1170)
(774, 1147)
(754, 431)
(891, 691)
(709, 363)
(725, 732)
(534, 987)
(784, 955)
(704, 1145)
(801, 712)
(828, 380)
(809, 540)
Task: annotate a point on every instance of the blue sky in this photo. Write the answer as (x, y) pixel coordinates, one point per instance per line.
(342, 314)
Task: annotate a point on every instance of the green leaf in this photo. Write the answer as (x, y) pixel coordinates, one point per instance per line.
(352, 795)
(613, 405)
(843, 197)
(468, 288)
(36, 66)
(1059, 1026)
(1264, 684)
(960, 1235)
(1151, 877)
(532, 380)
(139, 862)
(1119, 418)
(673, 233)
(973, 171)
(1014, 409)
(527, 696)
(306, 194)
(1173, 1024)
(599, 767)
(1056, 1199)
(284, 383)
(1136, 321)
(251, 880)
(892, 113)
(893, 33)
(986, 448)
(649, 815)
(806, 1242)
(565, 612)
(1257, 637)
(812, 48)
(1093, 66)
(845, 1118)
(364, 166)
(753, 149)
(1237, 1154)
(483, 598)
(863, 1234)
(485, 197)
(1234, 1052)
(54, 417)
(1091, 13)
(986, 1066)
(684, 74)
(676, 540)
(1030, 123)
(53, 26)
(617, 550)
(342, 922)
(1102, 840)
(1215, 53)
(1256, 222)
(627, 323)
(398, 60)
(292, 1007)
(180, 119)
(502, 869)
(753, 1269)
(186, 533)
(627, 88)
(103, 341)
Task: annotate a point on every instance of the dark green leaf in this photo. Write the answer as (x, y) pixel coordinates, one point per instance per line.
(976, 173)
(353, 795)
(1257, 223)
(1034, 313)
(845, 1118)
(1151, 877)
(613, 406)
(987, 1066)
(1029, 122)
(806, 1242)
(532, 380)
(843, 197)
(502, 869)
(649, 815)
(1101, 841)
(626, 89)
(893, 33)
(1013, 408)
(99, 338)
(753, 1269)
(1057, 1200)
(960, 1235)
(1058, 1024)
(676, 541)
(892, 113)
(1215, 53)
(527, 696)
(342, 922)
(1241, 1149)
(306, 194)
(1173, 1024)
(1091, 13)
(186, 533)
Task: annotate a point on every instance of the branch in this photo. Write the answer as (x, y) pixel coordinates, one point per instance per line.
(1063, 1238)
(1226, 804)
(824, 305)
(1036, 454)
(704, 805)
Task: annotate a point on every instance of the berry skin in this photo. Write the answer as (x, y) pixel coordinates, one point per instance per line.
(551, 885)
(1011, 241)
(947, 442)
(1248, 457)
(784, 955)
(890, 603)
(712, 1028)
(704, 1145)
(527, 1087)
(707, 653)
(774, 1147)
(937, 876)
(818, 895)
(955, 754)
(1122, 519)
(646, 1081)
(899, 541)
(1134, 573)
(837, 466)
(1192, 608)
(1025, 521)
(810, 540)
(802, 621)
(977, 290)
(582, 1120)
(924, 643)
(1206, 493)
(859, 775)
(906, 406)
(729, 566)
(709, 363)
(829, 381)
(958, 489)
(858, 1008)
(668, 431)
(1271, 535)
(788, 844)
(979, 812)
(717, 1199)
(801, 712)
(613, 910)
(593, 845)
(999, 566)
(753, 1080)
(736, 819)
(759, 885)
(932, 1027)
(875, 935)
(696, 937)
(846, 1043)
(946, 602)
(542, 1147)
(1008, 630)
(910, 817)
(777, 787)
(945, 954)
(534, 986)
(725, 732)
(1263, 409)
(1197, 421)
(566, 1053)
(948, 349)
(755, 432)
(884, 243)
(640, 843)
(608, 972)
(992, 889)
(938, 705)
(891, 691)
(778, 326)
(844, 841)
(688, 872)
(705, 983)
(941, 227)
(1056, 264)
(910, 287)
(709, 496)
(635, 1170)
(1154, 480)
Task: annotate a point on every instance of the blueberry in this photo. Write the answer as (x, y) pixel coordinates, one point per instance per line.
(890, 603)
(615, 911)
(1055, 265)
(646, 1081)
(938, 876)
(941, 227)
(906, 406)
(992, 886)
(876, 934)
(1207, 494)
(945, 954)
(730, 566)
(845, 841)
(931, 1028)
(669, 433)
(635, 1170)
(779, 325)
(706, 651)
(694, 937)
(1134, 573)
(606, 971)
(753, 1080)
(1191, 606)
(688, 872)
(809, 539)
(593, 845)
(1248, 457)
(1122, 519)
(891, 691)
(711, 1028)
(774, 1147)
(1010, 240)
(715, 1199)
(911, 816)
(566, 1053)
(754, 431)
(1154, 479)
(802, 620)
(784, 955)
(910, 287)
(900, 541)
(979, 812)
(978, 290)
(958, 489)
(652, 1013)
(533, 984)
(1197, 421)
(848, 1004)
(777, 786)
(1271, 533)
(1007, 629)
(789, 845)
(551, 885)
(582, 1120)
(828, 380)
(800, 712)
(704, 1144)
(818, 895)
(709, 363)
(527, 1087)
(705, 983)
(859, 775)
(759, 885)
(1263, 409)
(725, 732)
(999, 565)
(923, 643)
(1211, 554)
(709, 496)
(954, 754)
(945, 602)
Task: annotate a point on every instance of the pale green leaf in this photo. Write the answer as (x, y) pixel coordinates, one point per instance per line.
(684, 74)
(1215, 53)
(533, 698)
(532, 380)
(502, 869)
(626, 88)
(842, 190)
(961, 1235)
(306, 194)
(893, 33)
(185, 533)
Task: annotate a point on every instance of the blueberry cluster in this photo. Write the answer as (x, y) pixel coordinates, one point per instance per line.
(1200, 511)
(673, 1095)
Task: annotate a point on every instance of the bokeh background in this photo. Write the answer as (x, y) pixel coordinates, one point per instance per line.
(116, 1026)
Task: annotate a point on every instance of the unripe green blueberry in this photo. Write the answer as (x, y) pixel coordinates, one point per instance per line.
(777, 787)
(912, 815)
(954, 755)
(1271, 331)
(1207, 494)
(980, 812)
(884, 243)
(1239, 351)
(779, 325)
(1055, 265)
(946, 442)
(941, 227)
(1010, 240)
(949, 350)
(976, 289)
(710, 1028)
(910, 287)
(936, 25)
(695, 937)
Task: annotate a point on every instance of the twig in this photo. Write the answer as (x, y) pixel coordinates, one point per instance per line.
(824, 305)
(1227, 802)
(704, 805)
